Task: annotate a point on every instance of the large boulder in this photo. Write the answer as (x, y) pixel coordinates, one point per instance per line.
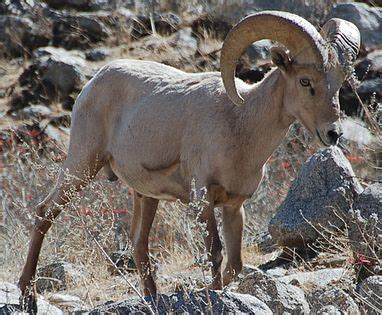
(191, 303)
(19, 36)
(79, 30)
(53, 75)
(280, 297)
(367, 19)
(323, 190)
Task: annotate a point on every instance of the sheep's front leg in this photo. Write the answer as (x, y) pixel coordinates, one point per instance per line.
(213, 245)
(233, 223)
(78, 171)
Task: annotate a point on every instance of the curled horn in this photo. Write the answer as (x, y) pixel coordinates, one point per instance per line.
(305, 44)
(345, 38)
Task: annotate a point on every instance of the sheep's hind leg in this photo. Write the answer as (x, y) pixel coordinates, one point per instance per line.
(144, 213)
(75, 174)
(233, 223)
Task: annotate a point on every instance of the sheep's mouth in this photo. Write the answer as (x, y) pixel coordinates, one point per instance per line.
(321, 140)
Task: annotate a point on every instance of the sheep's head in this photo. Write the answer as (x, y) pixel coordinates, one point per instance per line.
(314, 66)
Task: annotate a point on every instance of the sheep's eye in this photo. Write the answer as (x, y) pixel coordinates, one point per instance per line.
(305, 82)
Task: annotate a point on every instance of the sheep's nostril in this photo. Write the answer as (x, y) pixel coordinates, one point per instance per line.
(333, 136)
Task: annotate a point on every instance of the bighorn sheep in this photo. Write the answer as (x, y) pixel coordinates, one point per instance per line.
(157, 127)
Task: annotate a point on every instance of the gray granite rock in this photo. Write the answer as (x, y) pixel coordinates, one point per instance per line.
(54, 74)
(77, 31)
(280, 297)
(20, 35)
(195, 302)
(318, 279)
(325, 185)
(333, 301)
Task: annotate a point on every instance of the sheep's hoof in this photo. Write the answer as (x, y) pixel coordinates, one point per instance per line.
(28, 303)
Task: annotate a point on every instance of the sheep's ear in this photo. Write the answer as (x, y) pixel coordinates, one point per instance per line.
(281, 59)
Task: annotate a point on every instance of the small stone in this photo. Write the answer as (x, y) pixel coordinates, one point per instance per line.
(98, 54)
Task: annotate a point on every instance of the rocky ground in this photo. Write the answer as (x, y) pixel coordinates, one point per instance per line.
(312, 245)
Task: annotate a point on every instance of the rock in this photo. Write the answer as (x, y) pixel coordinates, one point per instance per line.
(333, 301)
(19, 36)
(53, 75)
(79, 31)
(314, 280)
(210, 26)
(369, 71)
(277, 272)
(58, 276)
(278, 296)
(16, 7)
(369, 89)
(369, 67)
(9, 301)
(259, 51)
(369, 202)
(98, 54)
(191, 303)
(255, 62)
(165, 24)
(34, 112)
(365, 231)
(233, 11)
(367, 19)
(264, 242)
(370, 291)
(81, 5)
(325, 182)
(62, 73)
(66, 302)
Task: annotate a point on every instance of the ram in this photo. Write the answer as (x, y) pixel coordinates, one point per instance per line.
(157, 128)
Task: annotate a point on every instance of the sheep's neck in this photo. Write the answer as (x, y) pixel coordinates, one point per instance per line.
(264, 121)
